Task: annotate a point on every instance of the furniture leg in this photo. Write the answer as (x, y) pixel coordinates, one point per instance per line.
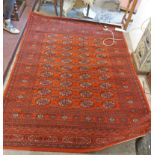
(61, 7)
(55, 7)
(88, 8)
(40, 1)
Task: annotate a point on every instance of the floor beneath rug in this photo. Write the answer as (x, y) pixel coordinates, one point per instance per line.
(100, 15)
(127, 148)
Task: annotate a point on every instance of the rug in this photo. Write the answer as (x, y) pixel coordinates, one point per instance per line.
(67, 92)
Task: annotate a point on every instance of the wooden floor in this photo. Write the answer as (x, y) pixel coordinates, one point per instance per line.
(10, 41)
(127, 148)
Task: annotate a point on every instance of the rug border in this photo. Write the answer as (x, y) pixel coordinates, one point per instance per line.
(134, 71)
(16, 55)
(43, 149)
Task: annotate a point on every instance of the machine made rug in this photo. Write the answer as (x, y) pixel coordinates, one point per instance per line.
(68, 92)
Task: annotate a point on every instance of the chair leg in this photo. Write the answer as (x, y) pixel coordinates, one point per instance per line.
(55, 7)
(40, 2)
(88, 8)
(61, 7)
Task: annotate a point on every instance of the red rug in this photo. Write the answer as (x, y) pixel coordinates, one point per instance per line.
(67, 92)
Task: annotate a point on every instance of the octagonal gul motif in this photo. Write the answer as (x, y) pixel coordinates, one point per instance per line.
(100, 56)
(65, 102)
(103, 69)
(86, 93)
(105, 85)
(87, 104)
(108, 104)
(50, 53)
(44, 91)
(43, 101)
(84, 76)
(45, 82)
(66, 68)
(65, 92)
(66, 84)
(104, 77)
(106, 95)
(85, 84)
(84, 61)
(46, 74)
(84, 68)
(47, 66)
(66, 75)
(66, 61)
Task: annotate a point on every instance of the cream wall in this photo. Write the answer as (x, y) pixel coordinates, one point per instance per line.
(143, 13)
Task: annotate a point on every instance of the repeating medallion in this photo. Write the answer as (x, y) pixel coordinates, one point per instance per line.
(51, 36)
(45, 82)
(66, 75)
(86, 93)
(46, 74)
(108, 104)
(87, 104)
(50, 53)
(84, 76)
(44, 91)
(105, 85)
(101, 62)
(47, 66)
(65, 92)
(67, 48)
(66, 61)
(85, 84)
(65, 102)
(66, 84)
(66, 68)
(49, 60)
(43, 101)
(84, 49)
(104, 77)
(100, 56)
(51, 41)
(106, 95)
(84, 68)
(84, 55)
(84, 61)
(99, 49)
(103, 69)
